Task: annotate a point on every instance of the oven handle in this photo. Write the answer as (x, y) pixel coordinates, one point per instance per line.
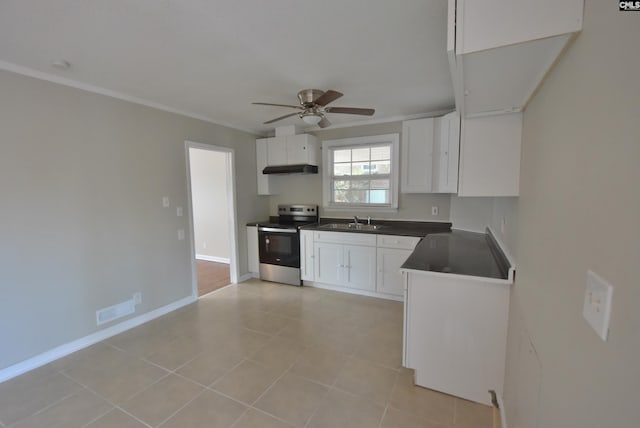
(276, 230)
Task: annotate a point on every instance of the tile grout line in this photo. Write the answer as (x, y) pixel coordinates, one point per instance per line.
(98, 417)
(50, 405)
(182, 407)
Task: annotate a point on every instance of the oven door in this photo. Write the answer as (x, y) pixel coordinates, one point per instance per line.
(279, 246)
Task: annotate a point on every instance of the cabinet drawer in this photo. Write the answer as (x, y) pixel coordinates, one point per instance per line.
(401, 242)
(345, 238)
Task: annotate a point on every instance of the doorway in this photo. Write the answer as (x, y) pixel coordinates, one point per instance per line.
(210, 171)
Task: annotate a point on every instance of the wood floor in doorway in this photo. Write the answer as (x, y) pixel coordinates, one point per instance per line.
(211, 276)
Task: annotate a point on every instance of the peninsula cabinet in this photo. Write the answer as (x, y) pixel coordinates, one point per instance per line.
(455, 333)
(500, 50)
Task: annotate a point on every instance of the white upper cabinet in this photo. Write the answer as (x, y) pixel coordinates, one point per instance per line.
(500, 50)
(417, 155)
(490, 155)
(292, 150)
(430, 154)
(266, 183)
(446, 147)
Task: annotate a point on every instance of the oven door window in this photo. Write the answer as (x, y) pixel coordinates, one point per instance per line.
(279, 248)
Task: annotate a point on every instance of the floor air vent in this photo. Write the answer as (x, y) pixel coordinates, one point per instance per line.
(118, 311)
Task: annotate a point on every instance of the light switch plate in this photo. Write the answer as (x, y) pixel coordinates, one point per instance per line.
(597, 304)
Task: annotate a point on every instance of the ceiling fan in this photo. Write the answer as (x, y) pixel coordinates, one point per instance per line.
(313, 106)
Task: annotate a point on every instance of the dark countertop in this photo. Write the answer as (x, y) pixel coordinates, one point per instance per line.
(460, 252)
(389, 227)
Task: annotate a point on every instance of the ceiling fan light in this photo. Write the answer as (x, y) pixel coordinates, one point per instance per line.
(312, 119)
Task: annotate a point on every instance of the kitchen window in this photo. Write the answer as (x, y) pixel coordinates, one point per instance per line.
(361, 173)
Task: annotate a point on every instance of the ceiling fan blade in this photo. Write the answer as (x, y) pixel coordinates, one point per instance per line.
(280, 118)
(324, 123)
(327, 97)
(351, 110)
(279, 105)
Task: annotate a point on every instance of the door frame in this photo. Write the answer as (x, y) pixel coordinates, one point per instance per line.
(230, 161)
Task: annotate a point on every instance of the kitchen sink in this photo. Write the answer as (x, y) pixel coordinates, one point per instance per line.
(351, 226)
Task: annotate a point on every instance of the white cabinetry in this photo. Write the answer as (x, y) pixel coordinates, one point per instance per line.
(490, 155)
(455, 333)
(266, 183)
(306, 255)
(446, 147)
(356, 262)
(430, 154)
(500, 50)
(392, 252)
(345, 259)
(283, 150)
(292, 150)
(252, 251)
(417, 155)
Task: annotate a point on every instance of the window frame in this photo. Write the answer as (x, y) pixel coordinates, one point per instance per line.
(328, 147)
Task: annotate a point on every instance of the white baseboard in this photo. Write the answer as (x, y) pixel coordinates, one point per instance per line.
(213, 259)
(353, 291)
(248, 276)
(78, 344)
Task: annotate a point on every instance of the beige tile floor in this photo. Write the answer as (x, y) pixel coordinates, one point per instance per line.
(253, 355)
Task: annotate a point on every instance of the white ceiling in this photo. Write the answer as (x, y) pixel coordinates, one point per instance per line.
(212, 58)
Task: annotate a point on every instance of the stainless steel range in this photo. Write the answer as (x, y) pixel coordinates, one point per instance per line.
(279, 243)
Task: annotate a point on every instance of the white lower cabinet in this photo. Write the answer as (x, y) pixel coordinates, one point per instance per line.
(455, 333)
(356, 262)
(352, 266)
(392, 252)
(252, 250)
(390, 280)
(307, 268)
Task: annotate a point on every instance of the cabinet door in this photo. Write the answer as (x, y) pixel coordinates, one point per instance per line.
(360, 267)
(265, 185)
(446, 147)
(252, 246)
(306, 255)
(390, 280)
(417, 155)
(277, 151)
(328, 262)
(297, 149)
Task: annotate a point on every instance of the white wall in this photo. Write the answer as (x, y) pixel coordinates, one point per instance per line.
(308, 188)
(82, 225)
(579, 209)
(209, 200)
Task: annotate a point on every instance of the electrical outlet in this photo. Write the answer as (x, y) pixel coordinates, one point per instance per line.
(165, 201)
(137, 298)
(434, 210)
(180, 234)
(179, 211)
(204, 244)
(597, 304)
(502, 225)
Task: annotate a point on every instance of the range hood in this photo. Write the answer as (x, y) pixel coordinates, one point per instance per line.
(302, 168)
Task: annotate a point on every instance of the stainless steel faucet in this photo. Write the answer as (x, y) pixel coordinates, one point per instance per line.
(369, 220)
(355, 219)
